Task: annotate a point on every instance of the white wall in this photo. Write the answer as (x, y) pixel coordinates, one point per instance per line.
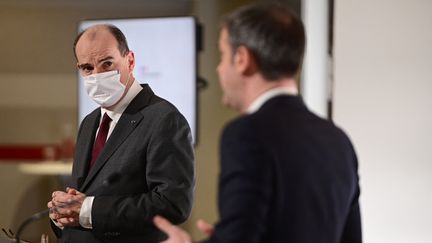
(382, 98)
(315, 74)
(38, 90)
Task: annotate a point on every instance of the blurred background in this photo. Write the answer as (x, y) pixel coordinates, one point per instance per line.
(368, 68)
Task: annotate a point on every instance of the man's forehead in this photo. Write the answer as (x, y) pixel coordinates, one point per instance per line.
(96, 31)
(92, 47)
(223, 37)
(94, 52)
(98, 36)
(96, 55)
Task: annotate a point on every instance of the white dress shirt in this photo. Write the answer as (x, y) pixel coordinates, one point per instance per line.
(264, 97)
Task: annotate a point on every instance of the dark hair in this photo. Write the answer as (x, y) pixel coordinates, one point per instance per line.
(274, 35)
(118, 35)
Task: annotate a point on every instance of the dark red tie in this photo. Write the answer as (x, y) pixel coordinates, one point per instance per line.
(100, 139)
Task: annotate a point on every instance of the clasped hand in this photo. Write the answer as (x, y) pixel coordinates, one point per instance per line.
(65, 207)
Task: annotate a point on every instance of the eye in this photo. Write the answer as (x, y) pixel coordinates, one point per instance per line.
(86, 69)
(107, 64)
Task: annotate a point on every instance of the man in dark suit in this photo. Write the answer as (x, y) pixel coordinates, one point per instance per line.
(286, 174)
(134, 156)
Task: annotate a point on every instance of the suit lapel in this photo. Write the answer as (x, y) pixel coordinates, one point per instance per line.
(130, 118)
(88, 132)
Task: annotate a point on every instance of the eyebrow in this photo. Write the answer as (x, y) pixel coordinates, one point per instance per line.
(80, 66)
(106, 58)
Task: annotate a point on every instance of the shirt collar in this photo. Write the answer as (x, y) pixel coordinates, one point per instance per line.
(118, 109)
(264, 97)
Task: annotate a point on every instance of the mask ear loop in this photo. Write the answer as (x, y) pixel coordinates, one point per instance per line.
(127, 82)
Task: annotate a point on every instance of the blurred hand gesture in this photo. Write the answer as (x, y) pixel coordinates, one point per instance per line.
(176, 234)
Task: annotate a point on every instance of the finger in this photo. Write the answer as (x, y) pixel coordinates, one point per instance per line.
(64, 211)
(205, 227)
(57, 223)
(52, 204)
(60, 225)
(64, 202)
(61, 197)
(57, 193)
(163, 224)
(59, 210)
(44, 238)
(57, 218)
(72, 201)
(53, 210)
(69, 221)
(64, 221)
(52, 215)
(72, 191)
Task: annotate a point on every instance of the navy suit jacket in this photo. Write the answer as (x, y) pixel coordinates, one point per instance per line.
(145, 168)
(287, 176)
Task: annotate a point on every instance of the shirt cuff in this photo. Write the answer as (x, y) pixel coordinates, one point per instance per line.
(85, 219)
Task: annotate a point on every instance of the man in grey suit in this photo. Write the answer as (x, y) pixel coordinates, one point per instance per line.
(134, 156)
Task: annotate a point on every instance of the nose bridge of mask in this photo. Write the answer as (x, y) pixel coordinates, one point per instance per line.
(102, 75)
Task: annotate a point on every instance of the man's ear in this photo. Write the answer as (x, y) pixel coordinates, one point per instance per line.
(131, 60)
(244, 61)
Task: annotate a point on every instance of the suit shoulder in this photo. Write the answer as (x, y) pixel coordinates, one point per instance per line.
(344, 136)
(161, 111)
(162, 105)
(239, 127)
(94, 113)
(236, 123)
(159, 108)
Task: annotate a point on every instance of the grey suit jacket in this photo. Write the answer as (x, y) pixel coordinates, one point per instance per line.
(145, 168)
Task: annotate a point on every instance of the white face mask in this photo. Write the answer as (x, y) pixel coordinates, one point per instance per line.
(104, 88)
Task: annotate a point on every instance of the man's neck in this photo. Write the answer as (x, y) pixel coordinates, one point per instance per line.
(259, 86)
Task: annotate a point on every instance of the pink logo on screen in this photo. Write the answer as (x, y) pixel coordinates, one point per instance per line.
(147, 73)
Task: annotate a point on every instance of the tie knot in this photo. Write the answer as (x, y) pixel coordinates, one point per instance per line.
(105, 120)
